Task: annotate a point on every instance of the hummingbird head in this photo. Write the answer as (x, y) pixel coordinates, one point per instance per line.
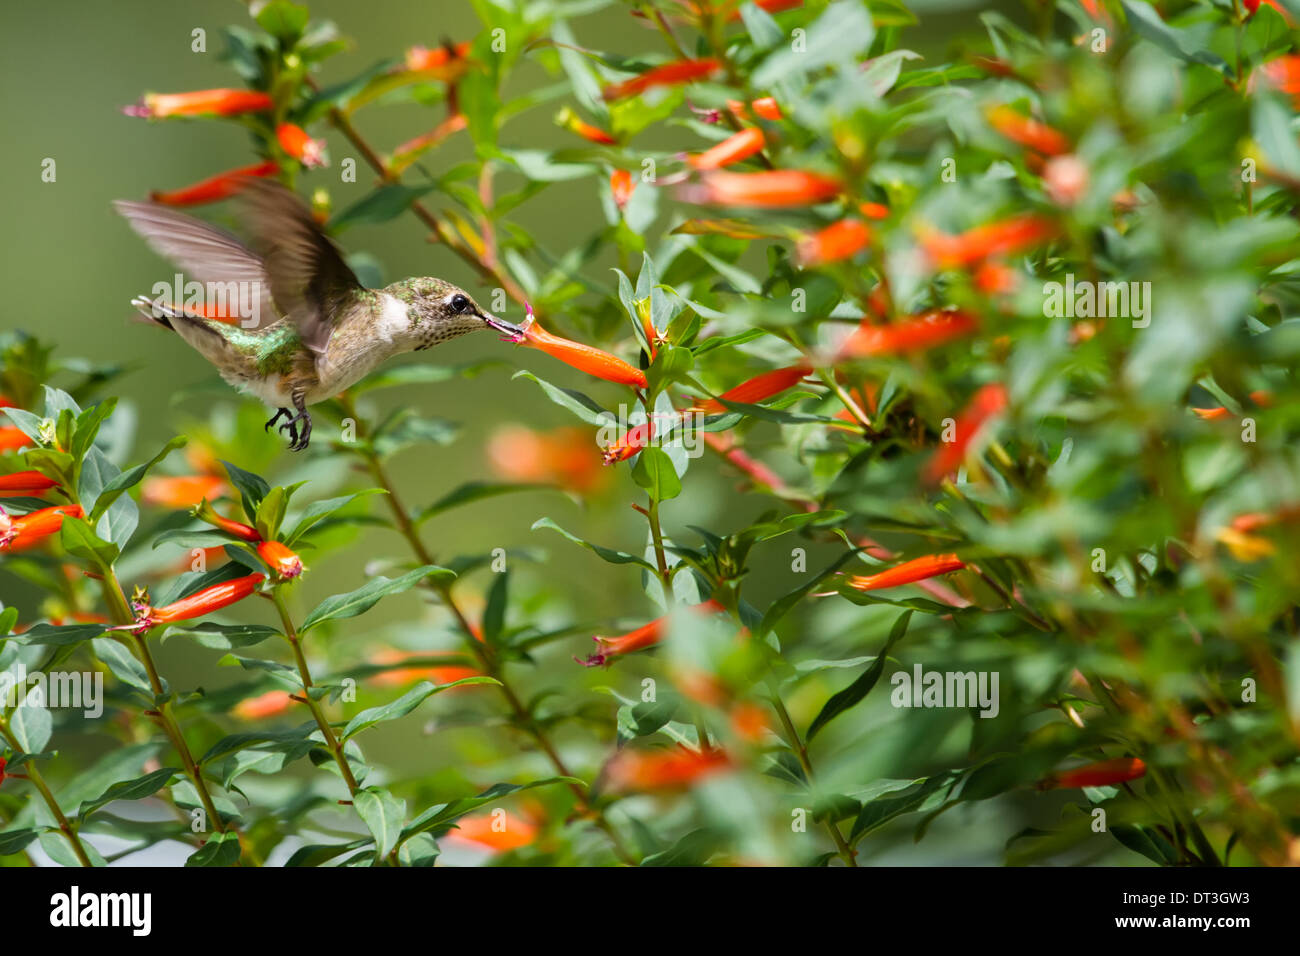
(439, 311)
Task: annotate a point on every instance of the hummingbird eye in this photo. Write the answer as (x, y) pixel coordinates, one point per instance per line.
(460, 303)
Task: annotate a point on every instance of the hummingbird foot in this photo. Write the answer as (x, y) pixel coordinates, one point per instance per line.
(283, 412)
(298, 439)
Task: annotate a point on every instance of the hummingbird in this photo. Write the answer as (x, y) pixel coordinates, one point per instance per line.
(315, 329)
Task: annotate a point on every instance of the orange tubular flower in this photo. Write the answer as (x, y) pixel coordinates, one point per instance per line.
(184, 491)
(1252, 8)
(908, 334)
(1028, 132)
(1101, 774)
(214, 188)
(281, 559)
(221, 102)
(662, 770)
(295, 141)
(271, 704)
(13, 438)
(839, 240)
(733, 149)
(621, 185)
(205, 512)
(647, 635)
(993, 239)
(764, 108)
(510, 834)
(406, 153)
(770, 188)
(574, 124)
(25, 483)
(1260, 397)
(909, 572)
(670, 74)
(1284, 74)
(437, 673)
(988, 401)
(441, 63)
(26, 531)
(583, 357)
(874, 210)
(756, 389)
(631, 443)
(561, 456)
(203, 602)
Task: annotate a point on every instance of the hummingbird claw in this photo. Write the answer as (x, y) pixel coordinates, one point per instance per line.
(276, 417)
(298, 440)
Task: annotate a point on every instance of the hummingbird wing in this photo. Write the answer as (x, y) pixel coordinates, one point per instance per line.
(206, 253)
(308, 277)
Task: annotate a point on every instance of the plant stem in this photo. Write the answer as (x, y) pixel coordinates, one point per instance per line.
(121, 612)
(304, 673)
(38, 781)
(846, 852)
(488, 661)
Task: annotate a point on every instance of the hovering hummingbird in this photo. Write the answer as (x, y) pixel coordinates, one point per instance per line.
(316, 329)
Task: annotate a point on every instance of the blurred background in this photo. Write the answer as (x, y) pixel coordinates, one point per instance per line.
(70, 267)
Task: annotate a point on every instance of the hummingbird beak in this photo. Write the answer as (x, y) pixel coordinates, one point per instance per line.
(500, 325)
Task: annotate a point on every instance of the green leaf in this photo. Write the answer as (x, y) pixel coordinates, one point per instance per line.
(228, 637)
(443, 815)
(607, 554)
(385, 203)
(1176, 43)
(136, 789)
(855, 692)
(31, 728)
(383, 814)
(283, 20)
(131, 477)
(65, 635)
(574, 401)
(876, 813)
(320, 510)
(655, 473)
(123, 664)
(252, 488)
(403, 705)
(15, 841)
(339, 606)
(836, 38)
(316, 854)
(221, 849)
(694, 849)
(476, 491)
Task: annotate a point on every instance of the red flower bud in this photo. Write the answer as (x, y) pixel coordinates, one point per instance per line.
(621, 185)
(214, 188)
(988, 401)
(909, 572)
(25, 483)
(281, 559)
(838, 241)
(210, 599)
(993, 239)
(756, 389)
(770, 188)
(1101, 774)
(1028, 132)
(662, 770)
(295, 141)
(731, 150)
(574, 124)
(585, 358)
(220, 102)
(908, 334)
(670, 74)
(25, 531)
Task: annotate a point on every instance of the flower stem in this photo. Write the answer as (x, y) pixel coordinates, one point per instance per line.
(304, 673)
(38, 781)
(488, 661)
